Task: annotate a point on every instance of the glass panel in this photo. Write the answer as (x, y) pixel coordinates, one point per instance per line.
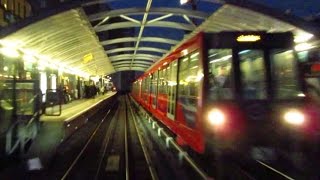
(253, 74)
(190, 76)
(172, 85)
(162, 94)
(313, 87)
(154, 92)
(285, 72)
(220, 79)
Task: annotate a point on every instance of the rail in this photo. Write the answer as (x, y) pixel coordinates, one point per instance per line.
(169, 140)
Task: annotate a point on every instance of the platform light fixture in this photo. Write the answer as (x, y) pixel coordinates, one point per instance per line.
(10, 52)
(303, 47)
(182, 2)
(303, 37)
(29, 58)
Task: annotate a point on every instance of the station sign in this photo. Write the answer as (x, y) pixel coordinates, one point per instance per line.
(87, 58)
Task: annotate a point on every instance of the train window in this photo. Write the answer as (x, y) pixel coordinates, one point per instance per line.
(285, 74)
(172, 85)
(162, 90)
(220, 86)
(253, 74)
(190, 76)
(154, 89)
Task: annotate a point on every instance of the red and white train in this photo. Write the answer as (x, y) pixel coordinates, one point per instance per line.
(232, 91)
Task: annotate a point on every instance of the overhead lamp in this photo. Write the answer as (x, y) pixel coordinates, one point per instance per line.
(10, 52)
(182, 2)
(11, 43)
(29, 58)
(303, 47)
(303, 37)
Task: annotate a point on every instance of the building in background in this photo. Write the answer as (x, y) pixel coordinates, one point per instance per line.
(12, 11)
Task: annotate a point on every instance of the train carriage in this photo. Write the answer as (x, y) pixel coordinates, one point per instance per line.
(231, 90)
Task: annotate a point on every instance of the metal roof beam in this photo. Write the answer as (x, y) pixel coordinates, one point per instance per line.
(162, 24)
(151, 11)
(151, 49)
(144, 39)
(128, 62)
(129, 56)
(130, 19)
(138, 60)
(160, 18)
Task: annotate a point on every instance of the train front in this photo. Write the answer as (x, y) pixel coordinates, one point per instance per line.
(253, 99)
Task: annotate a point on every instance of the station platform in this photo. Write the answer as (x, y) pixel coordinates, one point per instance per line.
(75, 108)
(55, 129)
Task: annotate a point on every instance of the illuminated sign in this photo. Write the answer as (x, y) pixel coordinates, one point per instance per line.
(87, 58)
(248, 38)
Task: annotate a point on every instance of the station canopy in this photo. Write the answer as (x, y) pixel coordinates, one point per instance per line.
(103, 37)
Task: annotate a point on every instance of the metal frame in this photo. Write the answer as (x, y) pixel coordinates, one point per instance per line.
(66, 37)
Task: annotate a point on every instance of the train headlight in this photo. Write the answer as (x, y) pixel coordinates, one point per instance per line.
(294, 117)
(216, 117)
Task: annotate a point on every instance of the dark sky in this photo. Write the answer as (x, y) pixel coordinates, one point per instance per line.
(300, 8)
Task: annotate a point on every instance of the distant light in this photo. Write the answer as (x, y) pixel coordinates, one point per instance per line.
(5, 68)
(303, 37)
(10, 52)
(165, 63)
(29, 58)
(248, 38)
(303, 47)
(185, 52)
(183, 1)
(194, 55)
(301, 95)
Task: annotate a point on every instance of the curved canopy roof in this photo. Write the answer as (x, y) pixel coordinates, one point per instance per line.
(135, 38)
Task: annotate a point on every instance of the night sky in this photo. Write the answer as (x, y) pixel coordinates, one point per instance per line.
(300, 8)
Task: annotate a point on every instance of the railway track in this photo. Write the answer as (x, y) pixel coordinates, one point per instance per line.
(114, 150)
(210, 169)
(125, 145)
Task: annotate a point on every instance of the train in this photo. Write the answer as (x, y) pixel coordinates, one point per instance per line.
(233, 92)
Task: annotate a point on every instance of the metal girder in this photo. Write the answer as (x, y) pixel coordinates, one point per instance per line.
(151, 11)
(132, 69)
(137, 60)
(128, 65)
(163, 24)
(129, 61)
(151, 49)
(129, 56)
(134, 39)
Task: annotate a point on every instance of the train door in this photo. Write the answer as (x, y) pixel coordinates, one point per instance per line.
(190, 76)
(154, 85)
(172, 88)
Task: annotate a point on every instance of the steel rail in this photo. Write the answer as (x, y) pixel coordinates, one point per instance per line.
(169, 140)
(145, 152)
(84, 148)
